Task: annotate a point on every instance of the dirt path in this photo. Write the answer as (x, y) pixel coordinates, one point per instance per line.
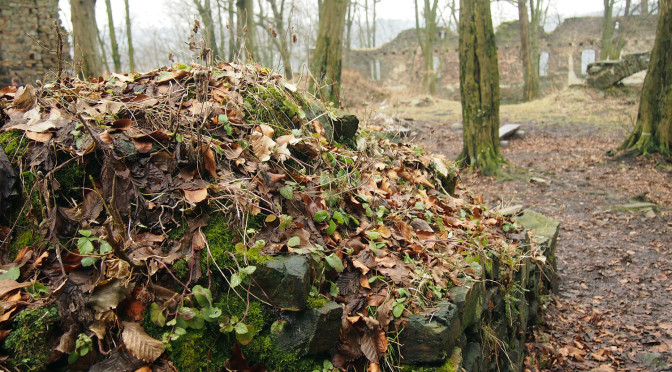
(614, 307)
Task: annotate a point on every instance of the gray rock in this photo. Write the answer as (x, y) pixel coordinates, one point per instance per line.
(312, 331)
(285, 281)
(430, 336)
(473, 358)
(544, 233)
(507, 130)
(469, 298)
(345, 125)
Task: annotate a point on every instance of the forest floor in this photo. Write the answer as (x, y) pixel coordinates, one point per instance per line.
(612, 311)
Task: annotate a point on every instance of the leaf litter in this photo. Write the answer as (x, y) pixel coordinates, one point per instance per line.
(166, 151)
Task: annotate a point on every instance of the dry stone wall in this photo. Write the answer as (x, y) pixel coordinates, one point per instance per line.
(565, 54)
(21, 23)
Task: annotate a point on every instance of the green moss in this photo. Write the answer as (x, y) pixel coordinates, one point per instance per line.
(200, 350)
(27, 345)
(14, 144)
(264, 350)
(272, 104)
(181, 269)
(220, 240)
(71, 178)
(23, 238)
(316, 302)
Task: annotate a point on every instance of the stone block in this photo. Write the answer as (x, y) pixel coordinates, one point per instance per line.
(311, 331)
(285, 281)
(544, 233)
(430, 336)
(469, 298)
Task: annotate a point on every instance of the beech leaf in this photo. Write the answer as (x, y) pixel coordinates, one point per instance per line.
(140, 344)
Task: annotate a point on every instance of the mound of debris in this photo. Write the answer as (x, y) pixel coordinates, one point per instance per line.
(212, 218)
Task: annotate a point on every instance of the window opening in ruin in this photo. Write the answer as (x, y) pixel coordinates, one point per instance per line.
(377, 69)
(443, 34)
(436, 64)
(587, 57)
(543, 63)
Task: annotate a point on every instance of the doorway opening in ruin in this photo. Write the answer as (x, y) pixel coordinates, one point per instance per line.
(587, 57)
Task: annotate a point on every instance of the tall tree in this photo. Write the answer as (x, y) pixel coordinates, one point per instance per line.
(530, 78)
(247, 27)
(538, 11)
(645, 7)
(232, 39)
(479, 88)
(607, 45)
(129, 39)
(84, 35)
(327, 59)
(426, 38)
(205, 12)
(653, 131)
(116, 58)
(281, 42)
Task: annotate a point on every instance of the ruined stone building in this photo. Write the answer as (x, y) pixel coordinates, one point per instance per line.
(564, 56)
(21, 21)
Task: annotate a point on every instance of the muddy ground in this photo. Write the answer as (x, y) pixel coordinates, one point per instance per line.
(614, 306)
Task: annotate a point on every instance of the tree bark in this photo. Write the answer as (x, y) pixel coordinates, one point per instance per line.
(327, 59)
(606, 46)
(84, 34)
(247, 27)
(479, 88)
(653, 131)
(116, 58)
(232, 37)
(645, 7)
(531, 81)
(282, 39)
(205, 12)
(426, 38)
(129, 39)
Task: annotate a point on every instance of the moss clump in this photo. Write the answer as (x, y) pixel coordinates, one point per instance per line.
(264, 350)
(71, 178)
(220, 241)
(14, 144)
(316, 302)
(24, 238)
(200, 350)
(271, 104)
(27, 345)
(181, 269)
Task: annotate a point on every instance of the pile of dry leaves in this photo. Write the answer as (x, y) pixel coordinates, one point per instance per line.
(111, 184)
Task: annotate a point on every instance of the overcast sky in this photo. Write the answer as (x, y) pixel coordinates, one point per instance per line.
(155, 13)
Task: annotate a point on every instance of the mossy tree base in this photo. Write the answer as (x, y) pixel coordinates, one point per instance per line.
(653, 131)
(479, 88)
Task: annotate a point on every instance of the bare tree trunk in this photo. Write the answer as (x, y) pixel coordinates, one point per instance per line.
(232, 31)
(628, 5)
(653, 131)
(101, 45)
(282, 42)
(426, 38)
(326, 62)
(531, 81)
(116, 58)
(205, 12)
(645, 7)
(129, 39)
(247, 26)
(349, 20)
(606, 47)
(479, 88)
(84, 34)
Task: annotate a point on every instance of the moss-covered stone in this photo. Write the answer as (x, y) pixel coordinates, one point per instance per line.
(27, 345)
(200, 350)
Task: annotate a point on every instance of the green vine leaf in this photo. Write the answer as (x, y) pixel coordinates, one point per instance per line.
(335, 262)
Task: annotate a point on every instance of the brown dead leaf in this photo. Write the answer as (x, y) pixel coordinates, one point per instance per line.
(122, 124)
(39, 137)
(196, 196)
(209, 160)
(358, 264)
(262, 146)
(25, 98)
(8, 285)
(140, 344)
(364, 282)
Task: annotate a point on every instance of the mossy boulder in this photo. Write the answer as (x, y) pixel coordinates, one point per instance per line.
(431, 335)
(29, 342)
(284, 282)
(312, 331)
